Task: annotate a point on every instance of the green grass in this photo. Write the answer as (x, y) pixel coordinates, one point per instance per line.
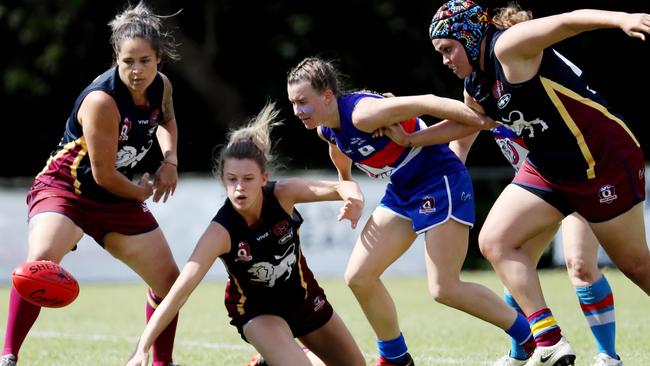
(101, 327)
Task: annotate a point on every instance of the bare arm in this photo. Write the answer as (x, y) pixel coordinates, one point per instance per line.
(371, 114)
(100, 120)
(462, 145)
(439, 133)
(520, 48)
(342, 162)
(167, 135)
(214, 242)
(296, 190)
(348, 190)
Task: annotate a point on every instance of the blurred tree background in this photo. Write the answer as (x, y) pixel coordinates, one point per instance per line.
(235, 56)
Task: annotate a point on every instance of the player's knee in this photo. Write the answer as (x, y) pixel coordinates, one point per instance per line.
(442, 294)
(490, 246)
(356, 279)
(581, 271)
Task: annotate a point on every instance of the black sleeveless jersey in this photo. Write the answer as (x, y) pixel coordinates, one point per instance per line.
(569, 129)
(266, 269)
(69, 164)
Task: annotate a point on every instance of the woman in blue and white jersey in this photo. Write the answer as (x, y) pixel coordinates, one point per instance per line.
(429, 192)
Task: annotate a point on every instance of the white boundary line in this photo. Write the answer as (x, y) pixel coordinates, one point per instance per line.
(422, 360)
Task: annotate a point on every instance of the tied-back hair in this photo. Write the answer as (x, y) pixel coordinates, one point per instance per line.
(510, 15)
(321, 74)
(252, 141)
(142, 22)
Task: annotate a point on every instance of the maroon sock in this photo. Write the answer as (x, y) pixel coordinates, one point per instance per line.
(20, 320)
(164, 345)
(545, 329)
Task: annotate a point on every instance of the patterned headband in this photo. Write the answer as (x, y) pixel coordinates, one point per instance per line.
(463, 21)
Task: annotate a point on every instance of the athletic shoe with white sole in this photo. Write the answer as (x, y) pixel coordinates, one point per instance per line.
(8, 360)
(509, 361)
(559, 354)
(603, 359)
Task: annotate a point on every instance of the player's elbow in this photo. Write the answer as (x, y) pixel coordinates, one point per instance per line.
(104, 179)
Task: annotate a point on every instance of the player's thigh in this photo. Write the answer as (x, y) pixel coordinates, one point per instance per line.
(445, 251)
(516, 217)
(333, 344)
(148, 254)
(384, 238)
(51, 235)
(624, 237)
(273, 339)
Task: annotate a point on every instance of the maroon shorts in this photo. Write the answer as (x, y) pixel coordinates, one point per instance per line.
(95, 218)
(600, 199)
(314, 312)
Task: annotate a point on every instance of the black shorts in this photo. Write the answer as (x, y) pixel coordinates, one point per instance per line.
(314, 312)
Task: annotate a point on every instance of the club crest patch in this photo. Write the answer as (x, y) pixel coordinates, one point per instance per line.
(428, 205)
(243, 252)
(607, 194)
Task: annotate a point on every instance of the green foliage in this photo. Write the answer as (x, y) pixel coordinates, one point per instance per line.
(102, 326)
(38, 31)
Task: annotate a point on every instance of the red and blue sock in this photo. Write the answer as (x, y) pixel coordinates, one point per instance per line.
(597, 303)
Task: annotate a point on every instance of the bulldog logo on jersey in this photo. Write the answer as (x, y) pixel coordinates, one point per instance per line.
(607, 193)
(243, 252)
(267, 273)
(509, 150)
(518, 124)
(428, 205)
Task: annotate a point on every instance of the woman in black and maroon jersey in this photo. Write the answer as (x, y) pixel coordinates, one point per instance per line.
(271, 294)
(582, 157)
(86, 186)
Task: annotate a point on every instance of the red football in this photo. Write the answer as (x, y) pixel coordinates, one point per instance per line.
(45, 283)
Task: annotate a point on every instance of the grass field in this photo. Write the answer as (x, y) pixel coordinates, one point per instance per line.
(101, 327)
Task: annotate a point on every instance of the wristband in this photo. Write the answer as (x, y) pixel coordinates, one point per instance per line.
(169, 162)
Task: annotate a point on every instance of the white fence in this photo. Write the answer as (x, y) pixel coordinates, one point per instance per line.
(326, 242)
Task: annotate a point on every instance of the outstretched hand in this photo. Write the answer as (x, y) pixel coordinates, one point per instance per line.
(146, 186)
(351, 210)
(165, 181)
(635, 25)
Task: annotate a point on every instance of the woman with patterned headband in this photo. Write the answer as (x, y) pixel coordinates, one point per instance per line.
(582, 158)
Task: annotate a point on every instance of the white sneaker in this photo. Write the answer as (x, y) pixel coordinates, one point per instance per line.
(8, 360)
(603, 359)
(509, 361)
(559, 354)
